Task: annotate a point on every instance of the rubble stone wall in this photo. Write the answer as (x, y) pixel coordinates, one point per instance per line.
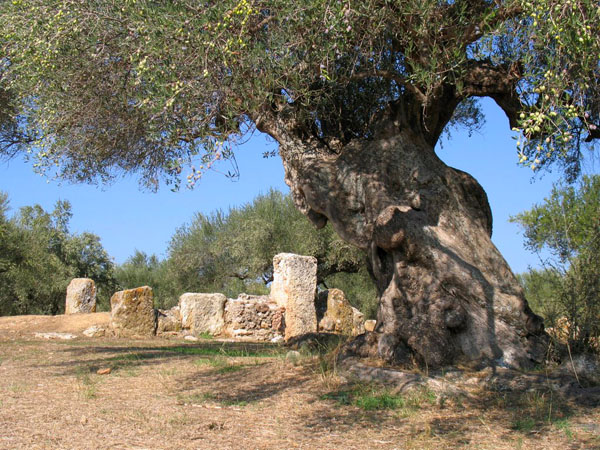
(255, 318)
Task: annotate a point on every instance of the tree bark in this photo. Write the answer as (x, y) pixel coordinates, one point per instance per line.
(447, 296)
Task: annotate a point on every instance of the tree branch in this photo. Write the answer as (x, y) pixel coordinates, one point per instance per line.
(484, 79)
(394, 77)
(477, 26)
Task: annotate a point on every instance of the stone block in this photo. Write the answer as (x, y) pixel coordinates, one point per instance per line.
(81, 296)
(132, 312)
(339, 315)
(358, 322)
(202, 313)
(294, 287)
(168, 320)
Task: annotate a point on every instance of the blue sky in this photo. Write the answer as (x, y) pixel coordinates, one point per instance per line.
(127, 218)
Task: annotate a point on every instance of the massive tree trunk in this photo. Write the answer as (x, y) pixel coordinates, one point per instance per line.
(447, 295)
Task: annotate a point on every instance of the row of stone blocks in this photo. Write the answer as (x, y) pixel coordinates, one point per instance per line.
(292, 308)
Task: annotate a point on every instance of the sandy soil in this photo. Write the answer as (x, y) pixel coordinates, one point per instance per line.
(26, 326)
(168, 393)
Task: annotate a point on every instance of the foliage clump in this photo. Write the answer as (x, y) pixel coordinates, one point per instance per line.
(565, 232)
(154, 86)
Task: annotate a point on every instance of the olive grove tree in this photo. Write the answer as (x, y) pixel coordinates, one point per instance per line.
(357, 94)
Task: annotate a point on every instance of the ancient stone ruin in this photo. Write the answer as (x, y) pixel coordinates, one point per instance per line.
(254, 317)
(132, 312)
(294, 288)
(293, 308)
(81, 296)
(336, 315)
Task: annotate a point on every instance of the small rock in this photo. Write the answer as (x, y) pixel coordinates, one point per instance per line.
(370, 325)
(191, 338)
(292, 355)
(52, 335)
(104, 371)
(277, 339)
(94, 331)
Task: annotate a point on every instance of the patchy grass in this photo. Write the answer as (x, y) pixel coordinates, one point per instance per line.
(206, 336)
(536, 410)
(209, 397)
(565, 426)
(215, 394)
(372, 398)
(221, 364)
(88, 381)
(227, 351)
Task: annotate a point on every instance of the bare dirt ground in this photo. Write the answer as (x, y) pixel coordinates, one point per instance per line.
(169, 393)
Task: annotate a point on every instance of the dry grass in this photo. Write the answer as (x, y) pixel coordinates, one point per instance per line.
(214, 395)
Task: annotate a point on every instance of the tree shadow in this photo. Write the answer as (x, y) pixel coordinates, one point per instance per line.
(247, 384)
(120, 356)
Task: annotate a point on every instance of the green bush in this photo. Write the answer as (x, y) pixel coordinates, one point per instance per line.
(567, 226)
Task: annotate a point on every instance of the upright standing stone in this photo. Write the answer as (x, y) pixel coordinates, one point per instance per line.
(132, 312)
(202, 313)
(339, 316)
(294, 287)
(81, 296)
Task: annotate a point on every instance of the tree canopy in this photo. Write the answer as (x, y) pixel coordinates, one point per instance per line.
(241, 243)
(98, 86)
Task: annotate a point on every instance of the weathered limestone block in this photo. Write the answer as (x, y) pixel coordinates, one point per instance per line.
(370, 325)
(94, 331)
(294, 287)
(358, 322)
(54, 335)
(254, 317)
(202, 313)
(81, 296)
(168, 320)
(339, 315)
(132, 312)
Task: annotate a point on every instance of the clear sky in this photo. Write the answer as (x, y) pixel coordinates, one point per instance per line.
(127, 218)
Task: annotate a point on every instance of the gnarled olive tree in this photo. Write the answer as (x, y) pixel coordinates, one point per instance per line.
(357, 93)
